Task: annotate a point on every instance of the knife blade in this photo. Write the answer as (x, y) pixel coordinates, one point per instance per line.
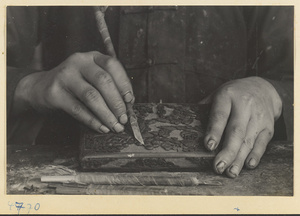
(134, 123)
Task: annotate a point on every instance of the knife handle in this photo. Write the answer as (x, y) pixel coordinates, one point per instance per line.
(102, 28)
(129, 107)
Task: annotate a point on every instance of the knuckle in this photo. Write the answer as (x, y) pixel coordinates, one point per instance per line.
(249, 143)
(91, 122)
(76, 110)
(247, 98)
(228, 90)
(230, 152)
(218, 116)
(52, 92)
(110, 62)
(76, 56)
(63, 70)
(103, 78)
(259, 116)
(66, 71)
(238, 131)
(91, 95)
(119, 106)
(99, 75)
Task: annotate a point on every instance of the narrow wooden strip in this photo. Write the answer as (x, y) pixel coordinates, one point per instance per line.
(130, 179)
(60, 179)
(152, 155)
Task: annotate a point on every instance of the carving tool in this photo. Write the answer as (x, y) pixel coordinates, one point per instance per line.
(140, 179)
(102, 27)
(134, 123)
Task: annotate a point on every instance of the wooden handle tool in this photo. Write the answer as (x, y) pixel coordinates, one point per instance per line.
(102, 27)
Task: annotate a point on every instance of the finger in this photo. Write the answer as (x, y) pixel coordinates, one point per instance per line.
(116, 70)
(75, 108)
(220, 111)
(259, 148)
(252, 131)
(92, 99)
(234, 136)
(105, 84)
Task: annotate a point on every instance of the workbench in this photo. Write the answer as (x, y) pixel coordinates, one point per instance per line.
(26, 165)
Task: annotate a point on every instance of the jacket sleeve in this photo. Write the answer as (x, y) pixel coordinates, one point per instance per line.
(270, 53)
(22, 37)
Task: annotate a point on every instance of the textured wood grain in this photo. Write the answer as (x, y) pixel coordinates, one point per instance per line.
(26, 165)
(173, 136)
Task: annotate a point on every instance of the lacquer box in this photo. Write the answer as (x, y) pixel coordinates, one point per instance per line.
(173, 136)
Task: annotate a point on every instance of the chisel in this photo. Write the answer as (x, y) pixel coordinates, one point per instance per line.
(102, 27)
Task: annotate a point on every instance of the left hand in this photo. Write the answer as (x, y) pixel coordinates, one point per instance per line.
(243, 112)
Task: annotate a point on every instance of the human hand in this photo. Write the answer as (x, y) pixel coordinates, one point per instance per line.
(91, 87)
(243, 112)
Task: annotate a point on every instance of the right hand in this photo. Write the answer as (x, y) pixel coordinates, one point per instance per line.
(91, 87)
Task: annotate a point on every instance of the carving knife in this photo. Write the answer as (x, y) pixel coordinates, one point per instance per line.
(102, 27)
(134, 123)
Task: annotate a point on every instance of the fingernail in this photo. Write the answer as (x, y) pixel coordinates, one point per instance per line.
(221, 167)
(118, 128)
(123, 119)
(234, 170)
(252, 162)
(211, 144)
(128, 97)
(104, 129)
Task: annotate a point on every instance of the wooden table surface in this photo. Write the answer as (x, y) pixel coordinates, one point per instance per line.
(26, 165)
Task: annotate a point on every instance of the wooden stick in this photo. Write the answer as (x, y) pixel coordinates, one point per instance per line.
(153, 155)
(102, 27)
(70, 190)
(113, 190)
(130, 179)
